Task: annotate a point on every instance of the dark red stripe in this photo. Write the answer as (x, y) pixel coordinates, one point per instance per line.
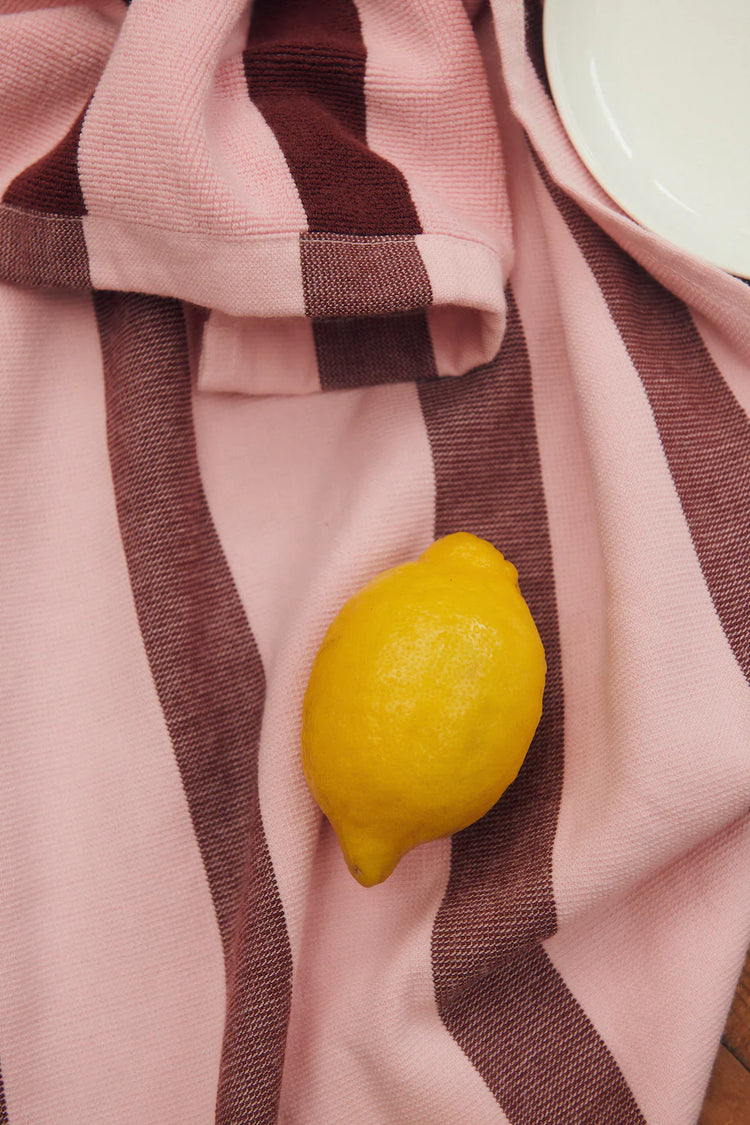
(534, 21)
(373, 350)
(366, 298)
(305, 70)
(488, 477)
(3, 1106)
(499, 904)
(474, 8)
(355, 277)
(704, 431)
(539, 1053)
(365, 293)
(42, 251)
(207, 673)
(51, 185)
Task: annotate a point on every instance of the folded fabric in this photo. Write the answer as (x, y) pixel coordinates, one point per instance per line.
(288, 290)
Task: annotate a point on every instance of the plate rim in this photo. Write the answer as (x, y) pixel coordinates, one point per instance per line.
(597, 168)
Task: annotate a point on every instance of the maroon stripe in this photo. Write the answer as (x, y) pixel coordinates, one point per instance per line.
(534, 20)
(366, 298)
(41, 251)
(539, 1053)
(488, 477)
(51, 185)
(347, 276)
(474, 8)
(365, 293)
(499, 902)
(207, 673)
(305, 70)
(373, 350)
(3, 1106)
(704, 431)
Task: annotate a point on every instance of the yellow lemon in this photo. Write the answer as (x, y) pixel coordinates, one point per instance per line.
(422, 702)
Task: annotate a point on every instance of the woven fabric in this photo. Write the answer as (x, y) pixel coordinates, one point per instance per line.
(287, 291)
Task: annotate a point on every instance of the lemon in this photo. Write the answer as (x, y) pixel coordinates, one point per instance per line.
(422, 702)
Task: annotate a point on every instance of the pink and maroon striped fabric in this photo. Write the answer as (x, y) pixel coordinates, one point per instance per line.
(285, 293)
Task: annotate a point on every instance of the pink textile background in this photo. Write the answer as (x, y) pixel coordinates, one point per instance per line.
(285, 293)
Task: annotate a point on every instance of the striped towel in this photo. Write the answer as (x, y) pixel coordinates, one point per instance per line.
(289, 289)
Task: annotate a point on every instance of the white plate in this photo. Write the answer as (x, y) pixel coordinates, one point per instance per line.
(655, 96)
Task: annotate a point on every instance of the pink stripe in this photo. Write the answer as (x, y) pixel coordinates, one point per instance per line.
(234, 271)
(226, 199)
(311, 499)
(249, 153)
(366, 1043)
(151, 148)
(467, 315)
(704, 432)
(254, 356)
(656, 971)
(625, 764)
(429, 112)
(684, 666)
(624, 559)
(52, 60)
(111, 962)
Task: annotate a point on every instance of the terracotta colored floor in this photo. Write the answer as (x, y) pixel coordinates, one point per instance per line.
(728, 1098)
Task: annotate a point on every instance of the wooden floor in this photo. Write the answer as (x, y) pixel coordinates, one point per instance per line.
(728, 1098)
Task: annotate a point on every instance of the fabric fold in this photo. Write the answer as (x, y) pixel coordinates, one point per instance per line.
(268, 171)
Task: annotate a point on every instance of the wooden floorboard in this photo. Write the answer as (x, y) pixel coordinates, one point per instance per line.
(737, 1033)
(728, 1096)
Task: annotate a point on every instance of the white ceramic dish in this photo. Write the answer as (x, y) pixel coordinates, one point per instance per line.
(655, 96)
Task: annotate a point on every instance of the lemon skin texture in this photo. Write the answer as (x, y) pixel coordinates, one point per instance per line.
(422, 702)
